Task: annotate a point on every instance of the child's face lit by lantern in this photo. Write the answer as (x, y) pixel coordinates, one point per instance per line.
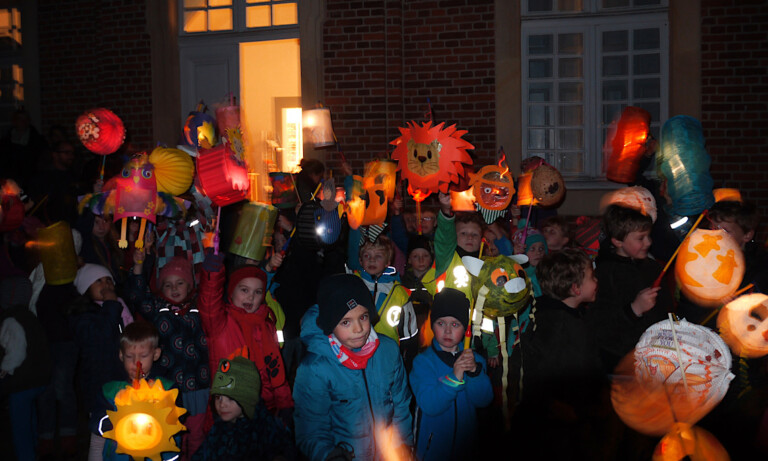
(556, 238)
(100, 227)
(175, 288)
(353, 330)
(102, 289)
(420, 260)
(635, 244)
(428, 222)
(248, 294)
(144, 352)
(449, 332)
(535, 253)
(374, 261)
(228, 409)
(587, 290)
(468, 236)
(735, 231)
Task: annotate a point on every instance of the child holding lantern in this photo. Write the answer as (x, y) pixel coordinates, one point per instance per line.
(449, 384)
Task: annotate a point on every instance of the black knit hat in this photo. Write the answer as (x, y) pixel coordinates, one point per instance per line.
(420, 241)
(451, 302)
(337, 295)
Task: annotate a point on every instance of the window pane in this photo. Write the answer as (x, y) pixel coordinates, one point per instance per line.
(615, 3)
(571, 163)
(220, 19)
(571, 92)
(540, 92)
(540, 68)
(646, 64)
(617, 40)
(258, 1)
(257, 16)
(194, 4)
(215, 3)
(284, 14)
(615, 90)
(647, 2)
(540, 139)
(539, 5)
(570, 44)
(646, 39)
(569, 5)
(539, 116)
(612, 112)
(195, 21)
(570, 116)
(540, 44)
(644, 88)
(652, 107)
(569, 67)
(615, 66)
(571, 139)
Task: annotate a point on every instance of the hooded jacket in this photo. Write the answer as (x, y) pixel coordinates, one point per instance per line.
(335, 404)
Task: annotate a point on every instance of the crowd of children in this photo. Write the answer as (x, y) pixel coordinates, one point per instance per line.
(375, 357)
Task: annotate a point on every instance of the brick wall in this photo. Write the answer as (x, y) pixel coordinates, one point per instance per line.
(734, 70)
(96, 53)
(384, 58)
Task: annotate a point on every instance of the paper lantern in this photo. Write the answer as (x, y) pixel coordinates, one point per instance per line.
(626, 144)
(365, 206)
(56, 249)
(317, 127)
(743, 325)
(431, 158)
(174, 170)
(492, 187)
(524, 192)
(228, 118)
(146, 420)
(283, 190)
(727, 195)
(253, 233)
(328, 225)
(223, 176)
(709, 267)
(662, 384)
(510, 289)
(690, 443)
(636, 197)
(463, 201)
(547, 185)
(200, 130)
(11, 206)
(100, 130)
(682, 164)
(382, 172)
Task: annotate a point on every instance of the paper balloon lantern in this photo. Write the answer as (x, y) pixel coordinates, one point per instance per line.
(56, 249)
(626, 144)
(682, 164)
(200, 130)
(146, 420)
(690, 443)
(743, 325)
(431, 158)
(636, 197)
(223, 176)
(661, 384)
(510, 289)
(547, 185)
(100, 130)
(174, 170)
(709, 267)
(253, 233)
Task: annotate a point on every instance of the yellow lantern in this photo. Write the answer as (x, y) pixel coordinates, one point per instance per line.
(689, 442)
(743, 325)
(709, 267)
(57, 253)
(146, 420)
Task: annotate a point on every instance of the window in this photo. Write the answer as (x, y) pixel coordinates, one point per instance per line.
(211, 16)
(11, 63)
(582, 63)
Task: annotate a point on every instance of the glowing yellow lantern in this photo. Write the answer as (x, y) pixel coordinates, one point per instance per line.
(463, 201)
(709, 267)
(689, 442)
(57, 253)
(727, 195)
(743, 325)
(146, 420)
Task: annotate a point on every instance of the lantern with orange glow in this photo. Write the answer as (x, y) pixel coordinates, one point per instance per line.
(381, 172)
(365, 205)
(727, 195)
(524, 192)
(223, 175)
(626, 144)
(709, 267)
(200, 129)
(743, 325)
(463, 201)
(100, 130)
(493, 187)
(431, 158)
(547, 185)
(146, 420)
(691, 443)
(11, 206)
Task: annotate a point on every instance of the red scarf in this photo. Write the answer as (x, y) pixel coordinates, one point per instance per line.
(261, 341)
(354, 360)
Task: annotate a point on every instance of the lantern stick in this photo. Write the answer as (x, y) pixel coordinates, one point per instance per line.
(715, 311)
(216, 233)
(429, 110)
(418, 216)
(317, 189)
(482, 243)
(285, 245)
(103, 162)
(139, 372)
(42, 200)
(468, 335)
(677, 348)
(657, 282)
(527, 222)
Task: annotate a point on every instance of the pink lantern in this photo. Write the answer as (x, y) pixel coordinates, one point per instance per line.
(223, 176)
(100, 130)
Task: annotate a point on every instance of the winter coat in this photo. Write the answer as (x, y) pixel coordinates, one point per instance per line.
(446, 419)
(449, 269)
(396, 316)
(185, 347)
(25, 339)
(225, 335)
(336, 404)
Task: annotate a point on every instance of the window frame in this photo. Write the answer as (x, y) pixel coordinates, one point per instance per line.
(238, 8)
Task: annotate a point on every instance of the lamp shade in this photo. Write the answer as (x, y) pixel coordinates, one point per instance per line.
(253, 233)
(317, 127)
(626, 144)
(100, 130)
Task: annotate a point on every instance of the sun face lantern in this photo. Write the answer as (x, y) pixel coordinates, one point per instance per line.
(636, 197)
(509, 287)
(691, 443)
(100, 130)
(223, 175)
(709, 267)
(253, 233)
(626, 144)
(146, 420)
(682, 164)
(547, 185)
(743, 325)
(431, 158)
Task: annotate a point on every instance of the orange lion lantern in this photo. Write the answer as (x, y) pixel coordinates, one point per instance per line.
(743, 325)
(431, 158)
(710, 267)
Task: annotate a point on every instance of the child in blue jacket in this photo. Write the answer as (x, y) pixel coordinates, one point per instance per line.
(449, 384)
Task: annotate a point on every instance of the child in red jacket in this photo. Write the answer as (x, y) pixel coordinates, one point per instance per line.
(243, 320)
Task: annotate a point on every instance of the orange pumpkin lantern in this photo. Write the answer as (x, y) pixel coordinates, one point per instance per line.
(381, 172)
(100, 130)
(223, 175)
(743, 325)
(709, 267)
(626, 144)
(689, 442)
